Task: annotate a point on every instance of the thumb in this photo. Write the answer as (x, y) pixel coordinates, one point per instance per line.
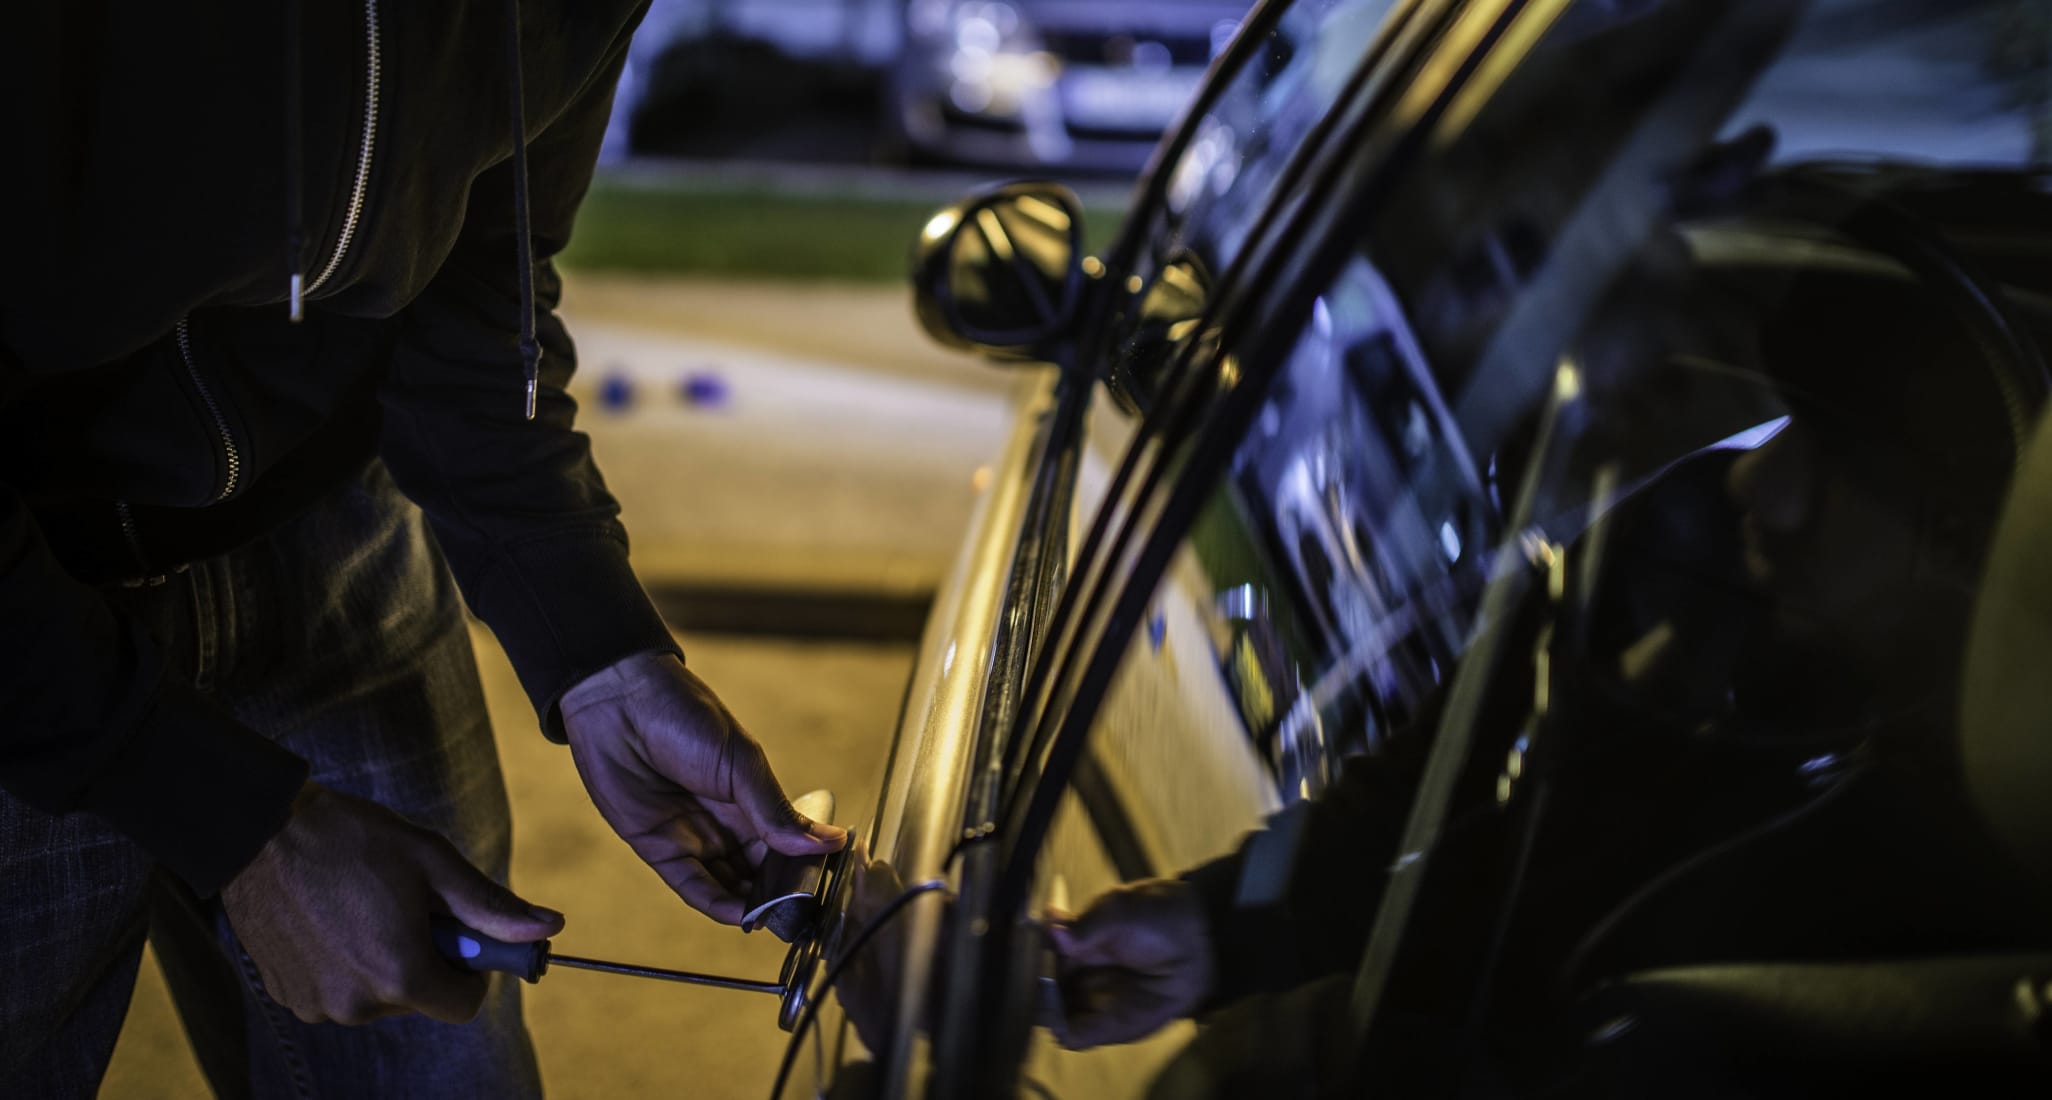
(477, 901)
(778, 822)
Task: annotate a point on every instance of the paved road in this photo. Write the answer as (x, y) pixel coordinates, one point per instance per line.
(838, 451)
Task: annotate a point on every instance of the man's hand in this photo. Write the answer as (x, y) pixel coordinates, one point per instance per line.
(1136, 961)
(335, 913)
(682, 783)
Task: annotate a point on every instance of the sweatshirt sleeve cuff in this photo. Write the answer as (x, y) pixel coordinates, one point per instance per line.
(1244, 896)
(1233, 929)
(199, 792)
(566, 607)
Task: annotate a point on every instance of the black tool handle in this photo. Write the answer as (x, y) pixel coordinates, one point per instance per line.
(471, 949)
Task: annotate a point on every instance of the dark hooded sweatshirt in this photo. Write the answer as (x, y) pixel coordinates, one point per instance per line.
(171, 171)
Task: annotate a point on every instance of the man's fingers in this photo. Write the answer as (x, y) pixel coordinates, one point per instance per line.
(435, 986)
(1094, 940)
(1086, 1031)
(701, 889)
(1107, 1007)
(477, 901)
(455, 999)
(1109, 1028)
(781, 826)
(1081, 941)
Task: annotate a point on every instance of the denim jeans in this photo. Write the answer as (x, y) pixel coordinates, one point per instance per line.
(340, 636)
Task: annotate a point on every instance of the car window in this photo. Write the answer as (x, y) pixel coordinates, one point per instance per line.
(1312, 611)
(1735, 369)
(1593, 598)
(1233, 154)
(1211, 194)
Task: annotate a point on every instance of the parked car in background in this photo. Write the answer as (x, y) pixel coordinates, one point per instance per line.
(781, 80)
(1519, 574)
(1068, 85)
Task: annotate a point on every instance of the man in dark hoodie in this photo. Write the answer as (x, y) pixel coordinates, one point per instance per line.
(277, 334)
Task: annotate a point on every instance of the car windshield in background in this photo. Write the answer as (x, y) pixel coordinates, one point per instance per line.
(1592, 593)
(1071, 84)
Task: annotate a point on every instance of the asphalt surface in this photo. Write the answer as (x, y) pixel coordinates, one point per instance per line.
(829, 474)
(830, 448)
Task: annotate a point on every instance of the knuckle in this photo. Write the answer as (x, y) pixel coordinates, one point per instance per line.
(340, 1009)
(456, 1002)
(267, 985)
(390, 985)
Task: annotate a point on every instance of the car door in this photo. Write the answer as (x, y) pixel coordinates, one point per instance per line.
(1315, 546)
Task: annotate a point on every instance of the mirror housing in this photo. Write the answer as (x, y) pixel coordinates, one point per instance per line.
(1001, 272)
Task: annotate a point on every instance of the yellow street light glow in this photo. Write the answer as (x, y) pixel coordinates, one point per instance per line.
(1045, 212)
(940, 225)
(1567, 383)
(994, 232)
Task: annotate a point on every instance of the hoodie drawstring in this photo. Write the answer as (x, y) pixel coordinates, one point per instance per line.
(523, 234)
(295, 220)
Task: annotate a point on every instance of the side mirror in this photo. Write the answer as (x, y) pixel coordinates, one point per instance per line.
(1001, 272)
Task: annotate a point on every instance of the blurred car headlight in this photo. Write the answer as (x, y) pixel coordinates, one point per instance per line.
(991, 59)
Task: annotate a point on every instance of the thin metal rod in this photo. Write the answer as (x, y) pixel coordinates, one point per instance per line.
(686, 976)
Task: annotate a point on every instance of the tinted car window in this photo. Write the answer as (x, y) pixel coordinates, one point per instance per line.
(1592, 611)
(1234, 154)
(1754, 440)
(1211, 194)
(1311, 614)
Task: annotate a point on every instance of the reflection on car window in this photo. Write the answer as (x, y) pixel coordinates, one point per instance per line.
(1989, 56)
(1225, 175)
(1215, 190)
(1583, 629)
(1311, 615)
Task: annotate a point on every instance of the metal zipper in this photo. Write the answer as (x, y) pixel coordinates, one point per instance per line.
(363, 156)
(129, 532)
(228, 448)
(135, 548)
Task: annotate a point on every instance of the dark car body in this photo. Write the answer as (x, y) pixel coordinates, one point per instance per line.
(1406, 495)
